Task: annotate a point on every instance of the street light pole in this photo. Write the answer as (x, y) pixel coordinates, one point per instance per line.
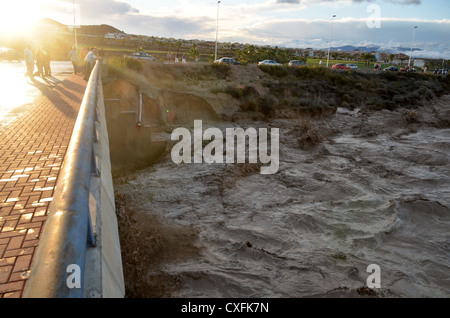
(75, 26)
(443, 60)
(412, 44)
(217, 30)
(331, 35)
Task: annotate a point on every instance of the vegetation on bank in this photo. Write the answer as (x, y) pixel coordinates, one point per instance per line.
(302, 90)
(318, 88)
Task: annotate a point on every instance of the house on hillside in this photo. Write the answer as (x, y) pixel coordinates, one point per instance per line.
(116, 36)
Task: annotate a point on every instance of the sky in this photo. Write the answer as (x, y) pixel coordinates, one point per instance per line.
(292, 23)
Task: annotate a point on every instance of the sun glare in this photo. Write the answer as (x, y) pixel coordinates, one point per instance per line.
(17, 16)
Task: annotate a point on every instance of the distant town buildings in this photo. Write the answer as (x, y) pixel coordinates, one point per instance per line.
(116, 36)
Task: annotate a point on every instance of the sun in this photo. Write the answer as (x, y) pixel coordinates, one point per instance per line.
(17, 16)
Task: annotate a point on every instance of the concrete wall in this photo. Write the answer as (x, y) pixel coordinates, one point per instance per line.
(104, 272)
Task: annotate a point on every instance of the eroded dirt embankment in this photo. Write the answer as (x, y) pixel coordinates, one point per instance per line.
(355, 187)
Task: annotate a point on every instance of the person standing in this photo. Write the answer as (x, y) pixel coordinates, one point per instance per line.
(89, 60)
(83, 54)
(29, 60)
(74, 58)
(39, 64)
(46, 62)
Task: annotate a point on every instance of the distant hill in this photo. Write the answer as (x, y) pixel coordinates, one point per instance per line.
(99, 30)
(47, 22)
(350, 48)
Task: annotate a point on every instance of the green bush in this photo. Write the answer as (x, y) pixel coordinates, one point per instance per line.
(221, 70)
(117, 65)
(276, 71)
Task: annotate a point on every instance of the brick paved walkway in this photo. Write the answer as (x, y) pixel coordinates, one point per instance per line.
(32, 149)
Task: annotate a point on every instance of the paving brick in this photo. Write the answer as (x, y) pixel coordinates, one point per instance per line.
(32, 149)
(7, 261)
(19, 252)
(16, 294)
(5, 273)
(2, 249)
(22, 263)
(11, 287)
(15, 242)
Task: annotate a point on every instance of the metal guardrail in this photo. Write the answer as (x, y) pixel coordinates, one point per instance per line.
(68, 228)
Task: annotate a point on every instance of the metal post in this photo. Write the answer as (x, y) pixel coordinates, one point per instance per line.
(331, 35)
(75, 26)
(217, 30)
(412, 44)
(443, 60)
(140, 111)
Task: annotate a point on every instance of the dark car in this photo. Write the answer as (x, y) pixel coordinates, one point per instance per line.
(391, 69)
(227, 60)
(10, 55)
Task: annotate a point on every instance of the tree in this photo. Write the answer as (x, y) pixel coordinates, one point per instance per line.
(391, 57)
(193, 52)
(367, 58)
(178, 44)
(321, 54)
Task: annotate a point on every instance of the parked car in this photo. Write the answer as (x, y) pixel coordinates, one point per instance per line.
(408, 69)
(391, 69)
(143, 56)
(340, 66)
(352, 66)
(270, 62)
(10, 55)
(227, 60)
(294, 63)
(441, 71)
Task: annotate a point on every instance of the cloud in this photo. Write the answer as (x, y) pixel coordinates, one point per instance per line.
(90, 8)
(405, 2)
(106, 7)
(312, 2)
(288, 1)
(352, 31)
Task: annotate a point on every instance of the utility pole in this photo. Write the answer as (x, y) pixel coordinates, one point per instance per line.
(412, 44)
(75, 26)
(331, 35)
(443, 60)
(217, 30)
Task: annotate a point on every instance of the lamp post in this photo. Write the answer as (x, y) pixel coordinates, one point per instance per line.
(412, 44)
(331, 35)
(443, 59)
(75, 26)
(217, 30)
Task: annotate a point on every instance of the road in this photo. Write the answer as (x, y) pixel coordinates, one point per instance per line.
(18, 92)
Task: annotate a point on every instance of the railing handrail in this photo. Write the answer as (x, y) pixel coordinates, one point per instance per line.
(68, 225)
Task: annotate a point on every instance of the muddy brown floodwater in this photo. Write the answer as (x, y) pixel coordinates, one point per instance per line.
(353, 189)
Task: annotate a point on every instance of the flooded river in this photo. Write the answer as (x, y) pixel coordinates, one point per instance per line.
(353, 189)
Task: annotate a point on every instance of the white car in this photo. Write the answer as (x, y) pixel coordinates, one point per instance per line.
(352, 66)
(270, 62)
(143, 56)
